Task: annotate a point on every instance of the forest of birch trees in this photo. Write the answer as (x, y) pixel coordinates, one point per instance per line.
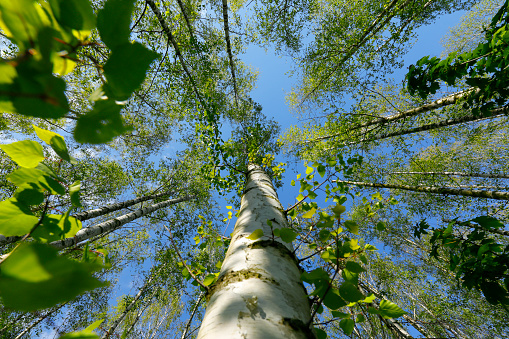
(146, 193)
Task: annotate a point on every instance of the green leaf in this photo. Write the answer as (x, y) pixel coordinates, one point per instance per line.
(380, 226)
(350, 276)
(369, 299)
(352, 226)
(93, 325)
(56, 227)
(80, 335)
(316, 274)
(350, 293)
(34, 277)
(209, 279)
(25, 175)
(324, 235)
(354, 267)
(338, 314)
(26, 153)
(494, 293)
(309, 170)
(347, 325)
(321, 170)
(100, 125)
(389, 309)
(55, 140)
(76, 14)
(332, 299)
(320, 334)
(309, 214)
(338, 209)
(369, 247)
(126, 69)
(257, 234)
(114, 20)
(15, 218)
(29, 194)
(33, 175)
(86, 333)
(287, 234)
(488, 222)
(74, 192)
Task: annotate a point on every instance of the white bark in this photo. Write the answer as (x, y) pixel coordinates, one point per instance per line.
(82, 216)
(85, 215)
(113, 224)
(460, 174)
(259, 294)
(498, 195)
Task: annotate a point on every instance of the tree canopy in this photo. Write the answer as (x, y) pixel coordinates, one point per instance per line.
(130, 137)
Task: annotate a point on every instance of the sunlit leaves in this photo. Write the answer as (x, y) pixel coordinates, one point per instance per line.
(55, 140)
(100, 125)
(287, 234)
(35, 277)
(26, 153)
(388, 309)
(56, 227)
(347, 325)
(15, 218)
(350, 292)
(257, 234)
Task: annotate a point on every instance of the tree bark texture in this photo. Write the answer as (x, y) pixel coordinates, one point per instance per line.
(112, 224)
(259, 293)
(85, 215)
(497, 195)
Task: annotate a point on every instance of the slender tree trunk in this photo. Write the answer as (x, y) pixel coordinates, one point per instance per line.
(128, 308)
(460, 174)
(82, 216)
(432, 126)
(193, 312)
(436, 190)
(442, 102)
(38, 321)
(115, 223)
(259, 293)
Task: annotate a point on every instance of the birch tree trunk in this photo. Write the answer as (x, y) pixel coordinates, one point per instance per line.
(115, 223)
(258, 294)
(85, 215)
(498, 195)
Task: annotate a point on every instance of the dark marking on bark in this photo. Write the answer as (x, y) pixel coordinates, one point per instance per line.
(300, 326)
(236, 276)
(275, 244)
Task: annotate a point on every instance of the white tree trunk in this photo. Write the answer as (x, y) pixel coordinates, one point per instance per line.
(258, 294)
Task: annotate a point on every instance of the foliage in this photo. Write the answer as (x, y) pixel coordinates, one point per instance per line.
(33, 275)
(48, 41)
(478, 260)
(484, 69)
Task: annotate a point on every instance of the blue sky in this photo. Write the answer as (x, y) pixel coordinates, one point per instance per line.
(273, 82)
